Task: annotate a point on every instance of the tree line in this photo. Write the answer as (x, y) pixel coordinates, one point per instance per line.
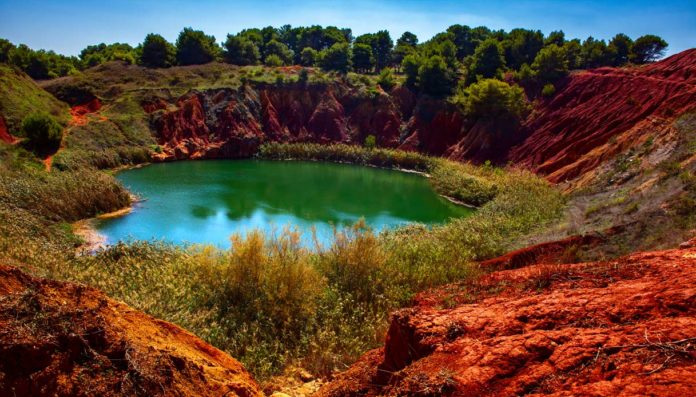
(476, 52)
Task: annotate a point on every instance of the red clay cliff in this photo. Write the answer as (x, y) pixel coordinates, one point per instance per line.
(623, 327)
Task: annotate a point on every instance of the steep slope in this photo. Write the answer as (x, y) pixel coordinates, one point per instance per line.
(20, 96)
(623, 327)
(601, 113)
(63, 339)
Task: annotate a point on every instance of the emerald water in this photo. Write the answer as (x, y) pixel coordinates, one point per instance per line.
(207, 201)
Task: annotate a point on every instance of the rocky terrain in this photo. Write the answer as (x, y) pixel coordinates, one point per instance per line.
(622, 327)
(63, 339)
(555, 318)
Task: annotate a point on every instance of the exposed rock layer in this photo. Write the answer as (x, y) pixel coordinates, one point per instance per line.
(594, 116)
(625, 327)
(63, 339)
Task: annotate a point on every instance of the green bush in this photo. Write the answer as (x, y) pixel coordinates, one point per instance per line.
(492, 99)
(273, 60)
(386, 79)
(42, 132)
(370, 142)
(548, 91)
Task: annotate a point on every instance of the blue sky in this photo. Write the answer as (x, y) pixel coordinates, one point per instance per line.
(68, 26)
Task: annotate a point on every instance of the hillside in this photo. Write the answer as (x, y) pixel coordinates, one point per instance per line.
(62, 339)
(621, 327)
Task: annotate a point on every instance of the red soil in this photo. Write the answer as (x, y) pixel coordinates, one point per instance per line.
(625, 327)
(79, 113)
(600, 113)
(4, 133)
(63, 339)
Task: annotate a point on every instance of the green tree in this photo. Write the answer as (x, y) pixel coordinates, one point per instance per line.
(337, 57)
(488, 60)
(42, 132)
(275, 47)
(410, 66)
(363, 61)
(386, 79)
(156, 52)
(521, 46)
(241, 51)
(381, 44)
(493, 99)
(308, 56)
(556, 37)
(34, 63)
(5, 48)
(408, 39)
(573, 50)
(193, 47)
(273, 60)
(648, 48)
(551, 63)
(405, 45)
(621, 47)
(595, 53)
(465, 40)
(434, 77)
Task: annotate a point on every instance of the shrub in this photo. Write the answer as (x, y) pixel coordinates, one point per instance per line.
(551, 63)
(273, 60)
(386, 79)
(308, 56)
(548, 91)
(43, 133)
(370, 142)
(303, 76)
(491, 98)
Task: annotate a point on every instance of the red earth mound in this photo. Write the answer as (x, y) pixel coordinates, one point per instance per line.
(624, 327)
(63, 339)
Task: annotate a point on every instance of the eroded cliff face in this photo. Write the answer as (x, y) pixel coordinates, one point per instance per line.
(594, 116)
(234, 122)
(65, 339)
(600, 113)
(622, 327)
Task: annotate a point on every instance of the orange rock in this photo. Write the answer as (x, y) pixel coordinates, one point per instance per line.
(64, 339)
(624, 327)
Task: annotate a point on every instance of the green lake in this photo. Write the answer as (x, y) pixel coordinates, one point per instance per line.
(207, 201)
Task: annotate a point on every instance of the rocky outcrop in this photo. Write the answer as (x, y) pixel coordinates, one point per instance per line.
(594, 116)
(624, 327)
(63, 339)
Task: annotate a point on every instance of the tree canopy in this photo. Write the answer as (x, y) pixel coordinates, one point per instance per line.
(336, 58)
(648, 48)
(156, 52)
(193, 47)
